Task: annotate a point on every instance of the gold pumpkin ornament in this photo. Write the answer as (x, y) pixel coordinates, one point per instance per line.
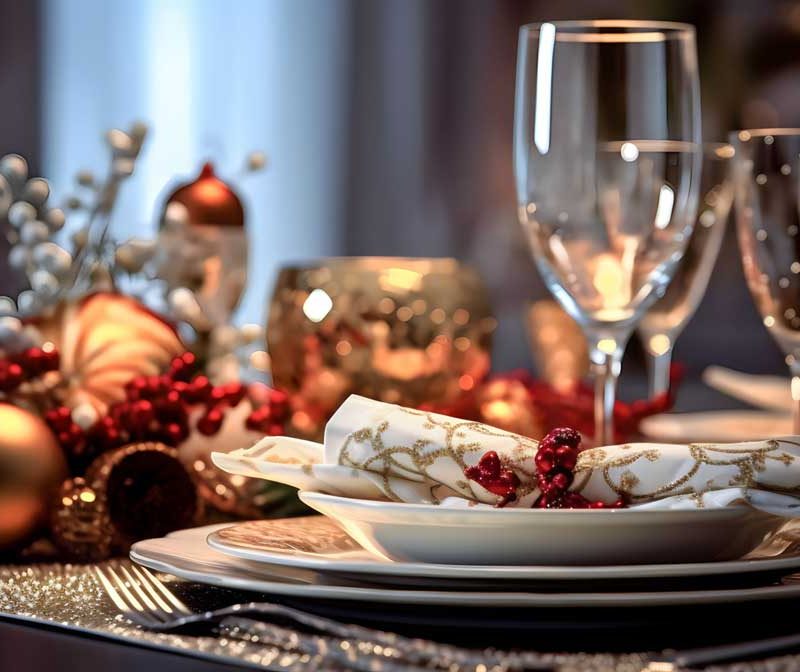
(31, 468)
(104, 341)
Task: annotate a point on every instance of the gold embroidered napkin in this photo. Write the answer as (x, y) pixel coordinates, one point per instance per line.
(765, 474)
(375, 450)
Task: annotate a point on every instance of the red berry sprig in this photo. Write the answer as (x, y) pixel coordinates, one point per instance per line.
(159, 408)
(497, 479)
(272, 416)
(555, 461)
(26, 366)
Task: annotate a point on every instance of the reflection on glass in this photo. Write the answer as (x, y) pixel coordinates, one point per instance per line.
(664, 322)
(766, 172)
(607, 153)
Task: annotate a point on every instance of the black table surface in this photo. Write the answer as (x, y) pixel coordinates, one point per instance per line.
(34, 648)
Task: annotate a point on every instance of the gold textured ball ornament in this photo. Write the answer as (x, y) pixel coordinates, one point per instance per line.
(31, 468)
(79, 523)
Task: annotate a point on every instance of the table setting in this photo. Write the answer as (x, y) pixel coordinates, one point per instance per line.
(351, 484)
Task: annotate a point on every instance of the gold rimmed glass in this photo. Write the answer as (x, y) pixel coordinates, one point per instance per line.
(607, 154)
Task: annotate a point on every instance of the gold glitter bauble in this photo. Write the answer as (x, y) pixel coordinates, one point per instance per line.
(31, 467)
(80, 524)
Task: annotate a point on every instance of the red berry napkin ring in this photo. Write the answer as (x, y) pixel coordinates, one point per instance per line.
(555, 462)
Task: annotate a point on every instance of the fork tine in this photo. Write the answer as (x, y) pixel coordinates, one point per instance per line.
(148, 585)
(147, 575)
(123, 590)
(122, 598)
(154, 594)
(137, 613)
(112, 592)
(149, 605)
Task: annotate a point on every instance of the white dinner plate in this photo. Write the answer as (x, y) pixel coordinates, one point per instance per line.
(716, 426)
(772, 393)
(186, 555)
(317, 543)
(517, 536)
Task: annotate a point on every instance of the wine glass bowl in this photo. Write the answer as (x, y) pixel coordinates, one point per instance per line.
(766, 173)
(607, 152)
(666, 319)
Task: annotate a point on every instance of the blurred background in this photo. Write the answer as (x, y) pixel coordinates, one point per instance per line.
(387, 123)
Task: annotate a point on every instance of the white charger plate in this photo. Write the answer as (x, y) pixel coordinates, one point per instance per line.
(510, 536)
(720, 426)
(317, 543)
(185, 554)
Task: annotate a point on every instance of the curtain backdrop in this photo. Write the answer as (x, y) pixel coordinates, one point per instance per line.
(214, 79)
(389, 126)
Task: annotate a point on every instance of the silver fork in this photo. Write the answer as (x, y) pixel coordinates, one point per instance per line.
(144, 600)
(141, 597)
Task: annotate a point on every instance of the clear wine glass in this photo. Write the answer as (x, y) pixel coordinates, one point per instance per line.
(766, 173)
(607, 154)
(666, 319)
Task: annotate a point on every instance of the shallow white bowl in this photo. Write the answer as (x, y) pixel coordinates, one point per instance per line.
(482, 536)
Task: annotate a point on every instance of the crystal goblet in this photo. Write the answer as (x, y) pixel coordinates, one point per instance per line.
(607, 154)
(668, 317)
(766, 171)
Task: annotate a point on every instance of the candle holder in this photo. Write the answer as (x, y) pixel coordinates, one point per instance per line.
(405, 331)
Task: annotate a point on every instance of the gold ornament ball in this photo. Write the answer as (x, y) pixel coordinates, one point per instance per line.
(80, 524)
(31, 468)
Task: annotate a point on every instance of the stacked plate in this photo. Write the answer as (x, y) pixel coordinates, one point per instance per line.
(772, 415)
(313, 563)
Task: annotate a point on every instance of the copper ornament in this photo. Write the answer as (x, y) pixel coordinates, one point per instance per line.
(207, 255)
(31, 468)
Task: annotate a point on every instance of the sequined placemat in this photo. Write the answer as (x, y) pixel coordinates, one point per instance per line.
(70, 596)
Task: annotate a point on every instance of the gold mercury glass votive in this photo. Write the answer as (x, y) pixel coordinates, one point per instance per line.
(406, 331)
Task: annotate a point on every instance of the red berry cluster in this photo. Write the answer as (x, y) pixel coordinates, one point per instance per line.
(158, 408)
(490, 473)
(272, 416)
(26, 365)
(555, 464)
(555, 461)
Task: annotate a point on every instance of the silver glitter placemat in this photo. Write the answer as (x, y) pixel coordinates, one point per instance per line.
(69, 596)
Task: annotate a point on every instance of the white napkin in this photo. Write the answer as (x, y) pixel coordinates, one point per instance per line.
(375, 450)
(764, 474)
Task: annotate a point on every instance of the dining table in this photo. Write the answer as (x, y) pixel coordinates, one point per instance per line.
(56, 616)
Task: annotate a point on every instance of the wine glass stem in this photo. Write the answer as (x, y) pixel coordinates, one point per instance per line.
(658, 371)
(606, 357)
